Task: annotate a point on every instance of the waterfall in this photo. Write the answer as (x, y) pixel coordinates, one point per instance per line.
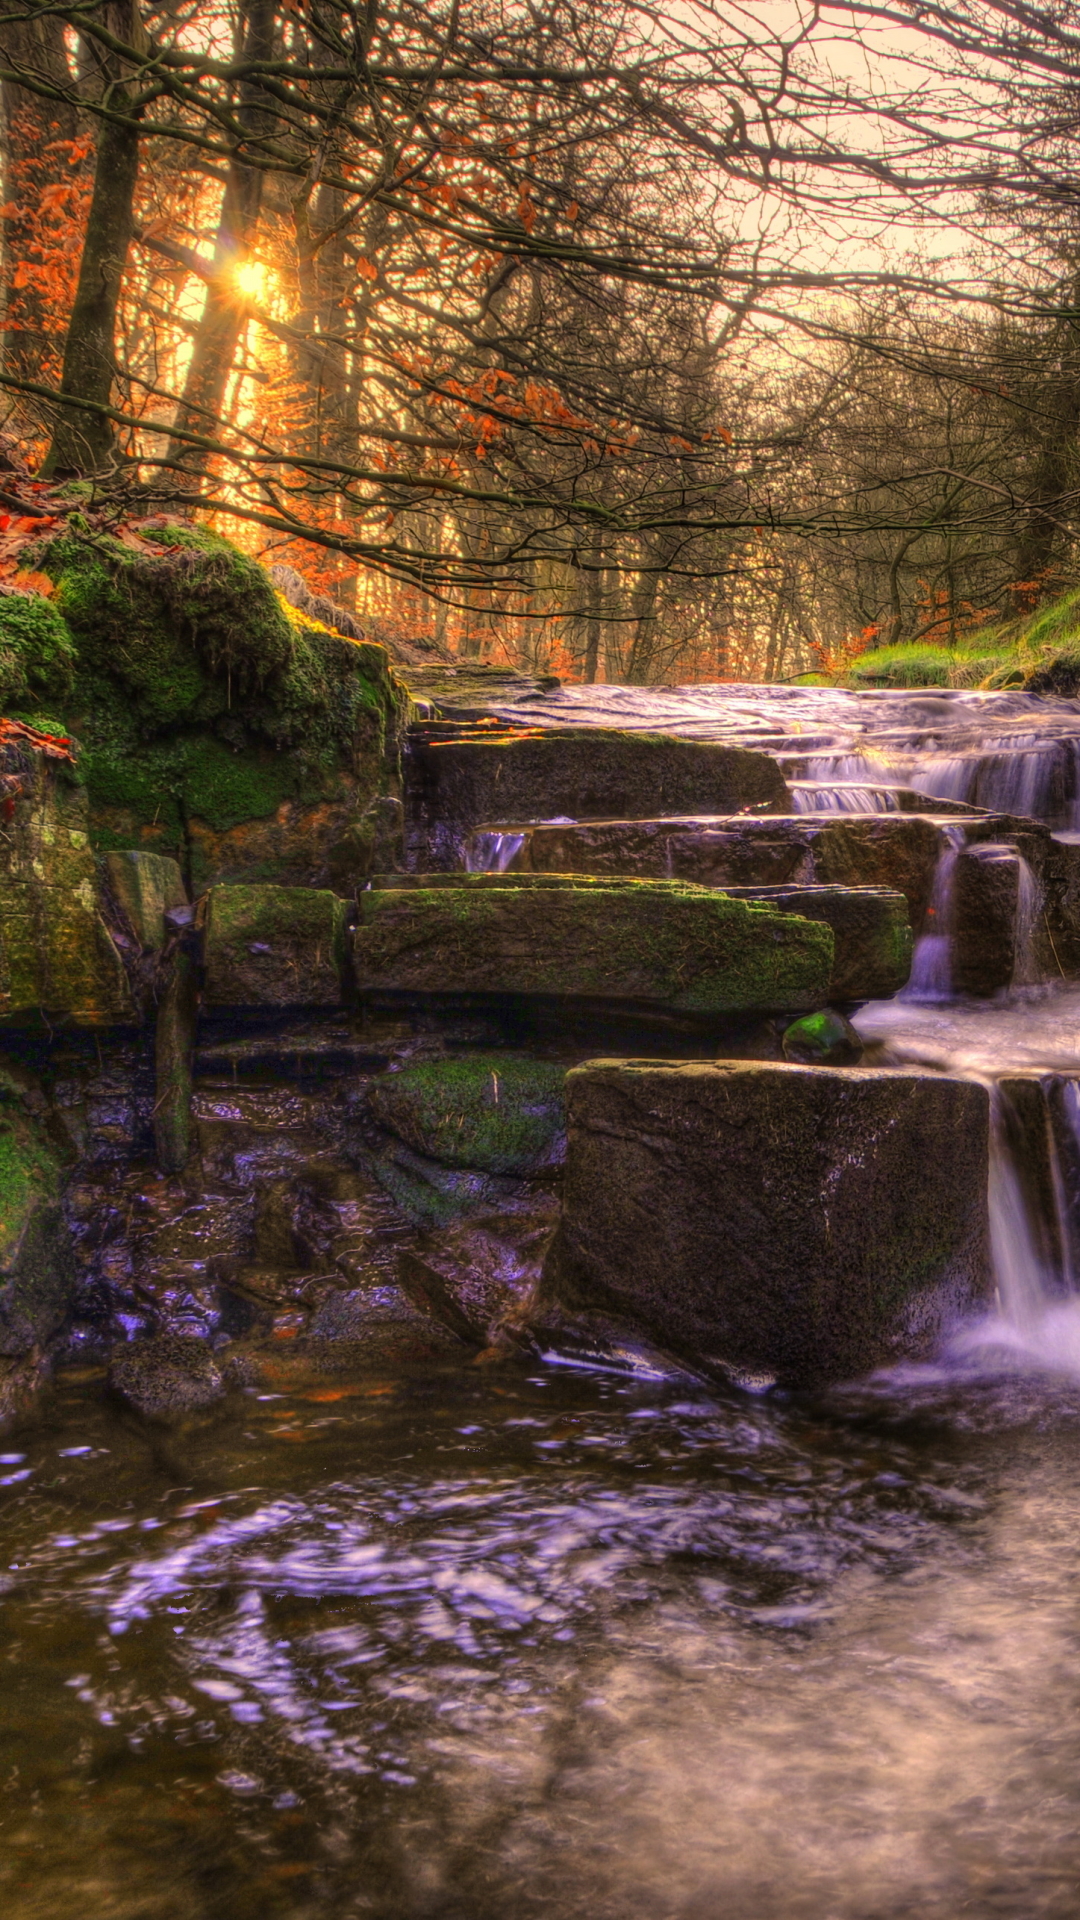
(493, 852)
(1029, 902)
(946, 778)
(931, 962)
(820, 796)
(1032, 1194)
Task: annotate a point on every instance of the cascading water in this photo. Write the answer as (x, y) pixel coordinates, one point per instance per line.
(493, 852)
(931, 962)
(1010, 754)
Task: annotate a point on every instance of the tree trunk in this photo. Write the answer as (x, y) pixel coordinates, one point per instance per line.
(37, 137)
(594, 603)
(84, 441)
(224, 314)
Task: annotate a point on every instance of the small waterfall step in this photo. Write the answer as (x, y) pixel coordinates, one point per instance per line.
(1011, 896)
(871, 933)
(453, 784)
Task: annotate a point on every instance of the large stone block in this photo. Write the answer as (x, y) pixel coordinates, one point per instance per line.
(809, 1223)
(894, 851)
(145, 886)
(273, 947)
(37, 1268)
(56, 954)
(870, 926)
(596, 773)
(683, 948)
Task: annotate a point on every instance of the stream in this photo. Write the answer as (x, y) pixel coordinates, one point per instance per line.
(489, 1642)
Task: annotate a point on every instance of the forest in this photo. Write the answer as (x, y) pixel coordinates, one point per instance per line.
(626, 341)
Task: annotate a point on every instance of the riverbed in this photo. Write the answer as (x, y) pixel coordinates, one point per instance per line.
(493, 1638)
(488, 1643)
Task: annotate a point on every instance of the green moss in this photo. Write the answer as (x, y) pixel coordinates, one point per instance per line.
(16, 1187)
(37, 653)
(498, 1112)
(194, 691)
(689, 948)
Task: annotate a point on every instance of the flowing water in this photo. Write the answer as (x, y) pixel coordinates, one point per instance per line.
(489, 1642)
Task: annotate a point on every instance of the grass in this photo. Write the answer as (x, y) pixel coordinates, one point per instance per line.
(1040, 652)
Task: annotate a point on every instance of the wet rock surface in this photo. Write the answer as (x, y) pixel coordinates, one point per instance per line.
(268, 946)
(803, 1223)
(822, 1040)
(455, 783)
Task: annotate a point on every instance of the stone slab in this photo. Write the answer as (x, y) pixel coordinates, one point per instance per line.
(145, 886)
(870, 926)
(683, 948)
(809, 1223)
(57, 957)
(279, 947)
(454, 785)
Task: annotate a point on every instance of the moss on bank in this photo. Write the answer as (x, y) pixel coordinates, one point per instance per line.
(1040, 652)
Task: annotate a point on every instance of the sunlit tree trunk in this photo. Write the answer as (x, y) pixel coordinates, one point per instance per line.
(224, 314)
(37, 136)
(84, 438)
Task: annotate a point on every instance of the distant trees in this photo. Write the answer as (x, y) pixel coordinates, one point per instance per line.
(542, 315)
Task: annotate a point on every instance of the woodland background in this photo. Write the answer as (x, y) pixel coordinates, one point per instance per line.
(643, 342)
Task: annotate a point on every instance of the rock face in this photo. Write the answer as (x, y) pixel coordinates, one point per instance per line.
(273, 947)
(682, 948)
(452, 785)
(36, 1258)
(808, 1223)
(216, 724)
(56, 954)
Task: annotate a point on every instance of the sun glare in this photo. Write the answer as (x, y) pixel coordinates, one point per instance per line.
(251, 278)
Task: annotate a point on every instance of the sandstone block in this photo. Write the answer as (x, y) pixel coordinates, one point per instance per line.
(684, 948)
(269, 946)
(809, 1223)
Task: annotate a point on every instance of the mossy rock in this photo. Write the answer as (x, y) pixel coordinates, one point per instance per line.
(36, 1260)
(499, 1112)
(687, 949)
(429, 1193)
(56, 955)
(266, 946)
(203, 703)
(37, 653)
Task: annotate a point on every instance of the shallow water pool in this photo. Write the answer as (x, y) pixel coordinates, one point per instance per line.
(492, 1644)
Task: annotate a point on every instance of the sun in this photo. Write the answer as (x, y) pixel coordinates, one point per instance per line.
(251, 278)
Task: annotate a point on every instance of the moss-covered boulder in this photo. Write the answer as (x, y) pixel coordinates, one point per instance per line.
(805, 1223)
(216, 724)
(682, 948)
(499, 1112)
(824, 1039)
(36, 1259)
(594, 773)
(57, 957)
(273, 947)
(37, 652)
